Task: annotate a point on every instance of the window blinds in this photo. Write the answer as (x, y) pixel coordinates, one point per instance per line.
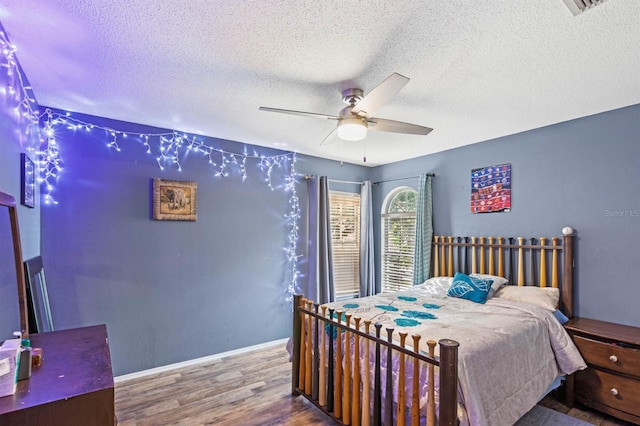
(345, 240)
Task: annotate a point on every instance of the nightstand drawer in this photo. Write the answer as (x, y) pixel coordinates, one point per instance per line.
(609, 356)
(621, 393)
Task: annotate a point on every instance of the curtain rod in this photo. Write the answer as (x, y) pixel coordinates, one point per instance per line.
(403, 178)
(335, 180)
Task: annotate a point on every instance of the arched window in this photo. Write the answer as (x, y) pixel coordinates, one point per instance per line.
(398, 238)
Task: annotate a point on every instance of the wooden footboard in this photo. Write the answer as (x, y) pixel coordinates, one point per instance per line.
(348, 373)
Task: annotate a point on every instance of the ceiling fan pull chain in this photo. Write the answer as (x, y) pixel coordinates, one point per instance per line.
(364, 160)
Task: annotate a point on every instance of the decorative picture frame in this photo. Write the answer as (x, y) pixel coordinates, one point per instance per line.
(491, 189)
(174, 200)
(27, 181)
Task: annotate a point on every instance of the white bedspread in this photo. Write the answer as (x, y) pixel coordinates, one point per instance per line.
(509, 354)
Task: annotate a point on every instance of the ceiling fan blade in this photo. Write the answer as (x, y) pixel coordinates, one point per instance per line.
(380, 95)
(384, 125)
(331, 137)
(301, 113)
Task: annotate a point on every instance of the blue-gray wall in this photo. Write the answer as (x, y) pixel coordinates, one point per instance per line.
(584, 173)
(169, 291)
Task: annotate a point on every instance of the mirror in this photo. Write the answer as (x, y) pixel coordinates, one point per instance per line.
(13, 316)
(39, 311)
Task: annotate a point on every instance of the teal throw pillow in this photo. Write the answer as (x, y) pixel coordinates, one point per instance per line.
(466, 287)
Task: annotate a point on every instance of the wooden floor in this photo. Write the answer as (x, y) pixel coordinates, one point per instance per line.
(247, 389)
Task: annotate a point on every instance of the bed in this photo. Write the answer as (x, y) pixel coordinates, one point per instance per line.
(478, 343)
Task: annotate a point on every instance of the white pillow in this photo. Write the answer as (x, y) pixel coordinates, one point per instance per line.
(436, 285)
(497, 282)
(547, 297)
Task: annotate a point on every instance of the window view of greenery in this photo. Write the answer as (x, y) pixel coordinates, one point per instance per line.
(345, 241)
(399, 223)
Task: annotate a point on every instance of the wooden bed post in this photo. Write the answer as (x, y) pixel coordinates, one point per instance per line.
(448, 382)
(567, 270)
(295, 360)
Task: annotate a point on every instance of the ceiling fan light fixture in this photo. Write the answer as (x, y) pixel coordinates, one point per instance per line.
(352, 129)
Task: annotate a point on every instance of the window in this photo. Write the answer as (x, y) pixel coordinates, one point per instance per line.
(345, 241)
(398, 239)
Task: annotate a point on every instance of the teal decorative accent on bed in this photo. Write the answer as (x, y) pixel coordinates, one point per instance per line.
(430, 306)
(405, 322)
(466, 287)
(562, 318)
(387, 308)
(350, 305)
(408, 298)
(418, 314)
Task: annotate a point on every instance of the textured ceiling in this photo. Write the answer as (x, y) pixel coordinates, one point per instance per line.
(479, 69)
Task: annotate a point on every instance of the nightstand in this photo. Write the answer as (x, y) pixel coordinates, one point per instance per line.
(611, 382)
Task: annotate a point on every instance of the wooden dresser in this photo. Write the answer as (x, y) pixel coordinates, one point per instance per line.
(73, 386)
(611, 382)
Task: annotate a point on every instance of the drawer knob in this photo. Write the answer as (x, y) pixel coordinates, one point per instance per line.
(614, 391)
(613, 358)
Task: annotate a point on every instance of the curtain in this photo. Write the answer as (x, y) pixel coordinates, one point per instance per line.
(326, 292)
(424, 231)
(367, 266)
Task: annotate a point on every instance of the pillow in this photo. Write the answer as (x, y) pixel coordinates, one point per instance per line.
(562, 318)
(497, 282)
(436, 285)
(466, 287)
(547, 297)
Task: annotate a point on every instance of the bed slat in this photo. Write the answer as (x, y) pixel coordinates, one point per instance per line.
(355, 398)
(554, 264)
(366, 385)
(337, 389)
(543, 263)
(308, 358)
(316, 356)
(331, 368)
(322, 385)
(402, 409)
(415, 389)
(377, 386)
(303, 339)
(388, 402)
(431, 403)
(346, 394)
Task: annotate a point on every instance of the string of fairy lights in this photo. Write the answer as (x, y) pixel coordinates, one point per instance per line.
(168, 149)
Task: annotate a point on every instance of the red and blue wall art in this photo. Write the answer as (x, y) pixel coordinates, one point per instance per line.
(491, 189)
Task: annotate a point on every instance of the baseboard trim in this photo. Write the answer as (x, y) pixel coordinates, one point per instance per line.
(169, 367)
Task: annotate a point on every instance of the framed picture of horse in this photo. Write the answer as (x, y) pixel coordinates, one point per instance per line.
(174, 199)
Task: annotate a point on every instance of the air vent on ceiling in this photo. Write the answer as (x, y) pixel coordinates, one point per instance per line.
(578, 6)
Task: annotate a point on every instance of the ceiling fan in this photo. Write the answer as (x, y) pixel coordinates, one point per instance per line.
(354, 119)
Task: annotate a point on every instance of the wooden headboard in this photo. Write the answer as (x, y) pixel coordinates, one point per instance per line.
(523, 261)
